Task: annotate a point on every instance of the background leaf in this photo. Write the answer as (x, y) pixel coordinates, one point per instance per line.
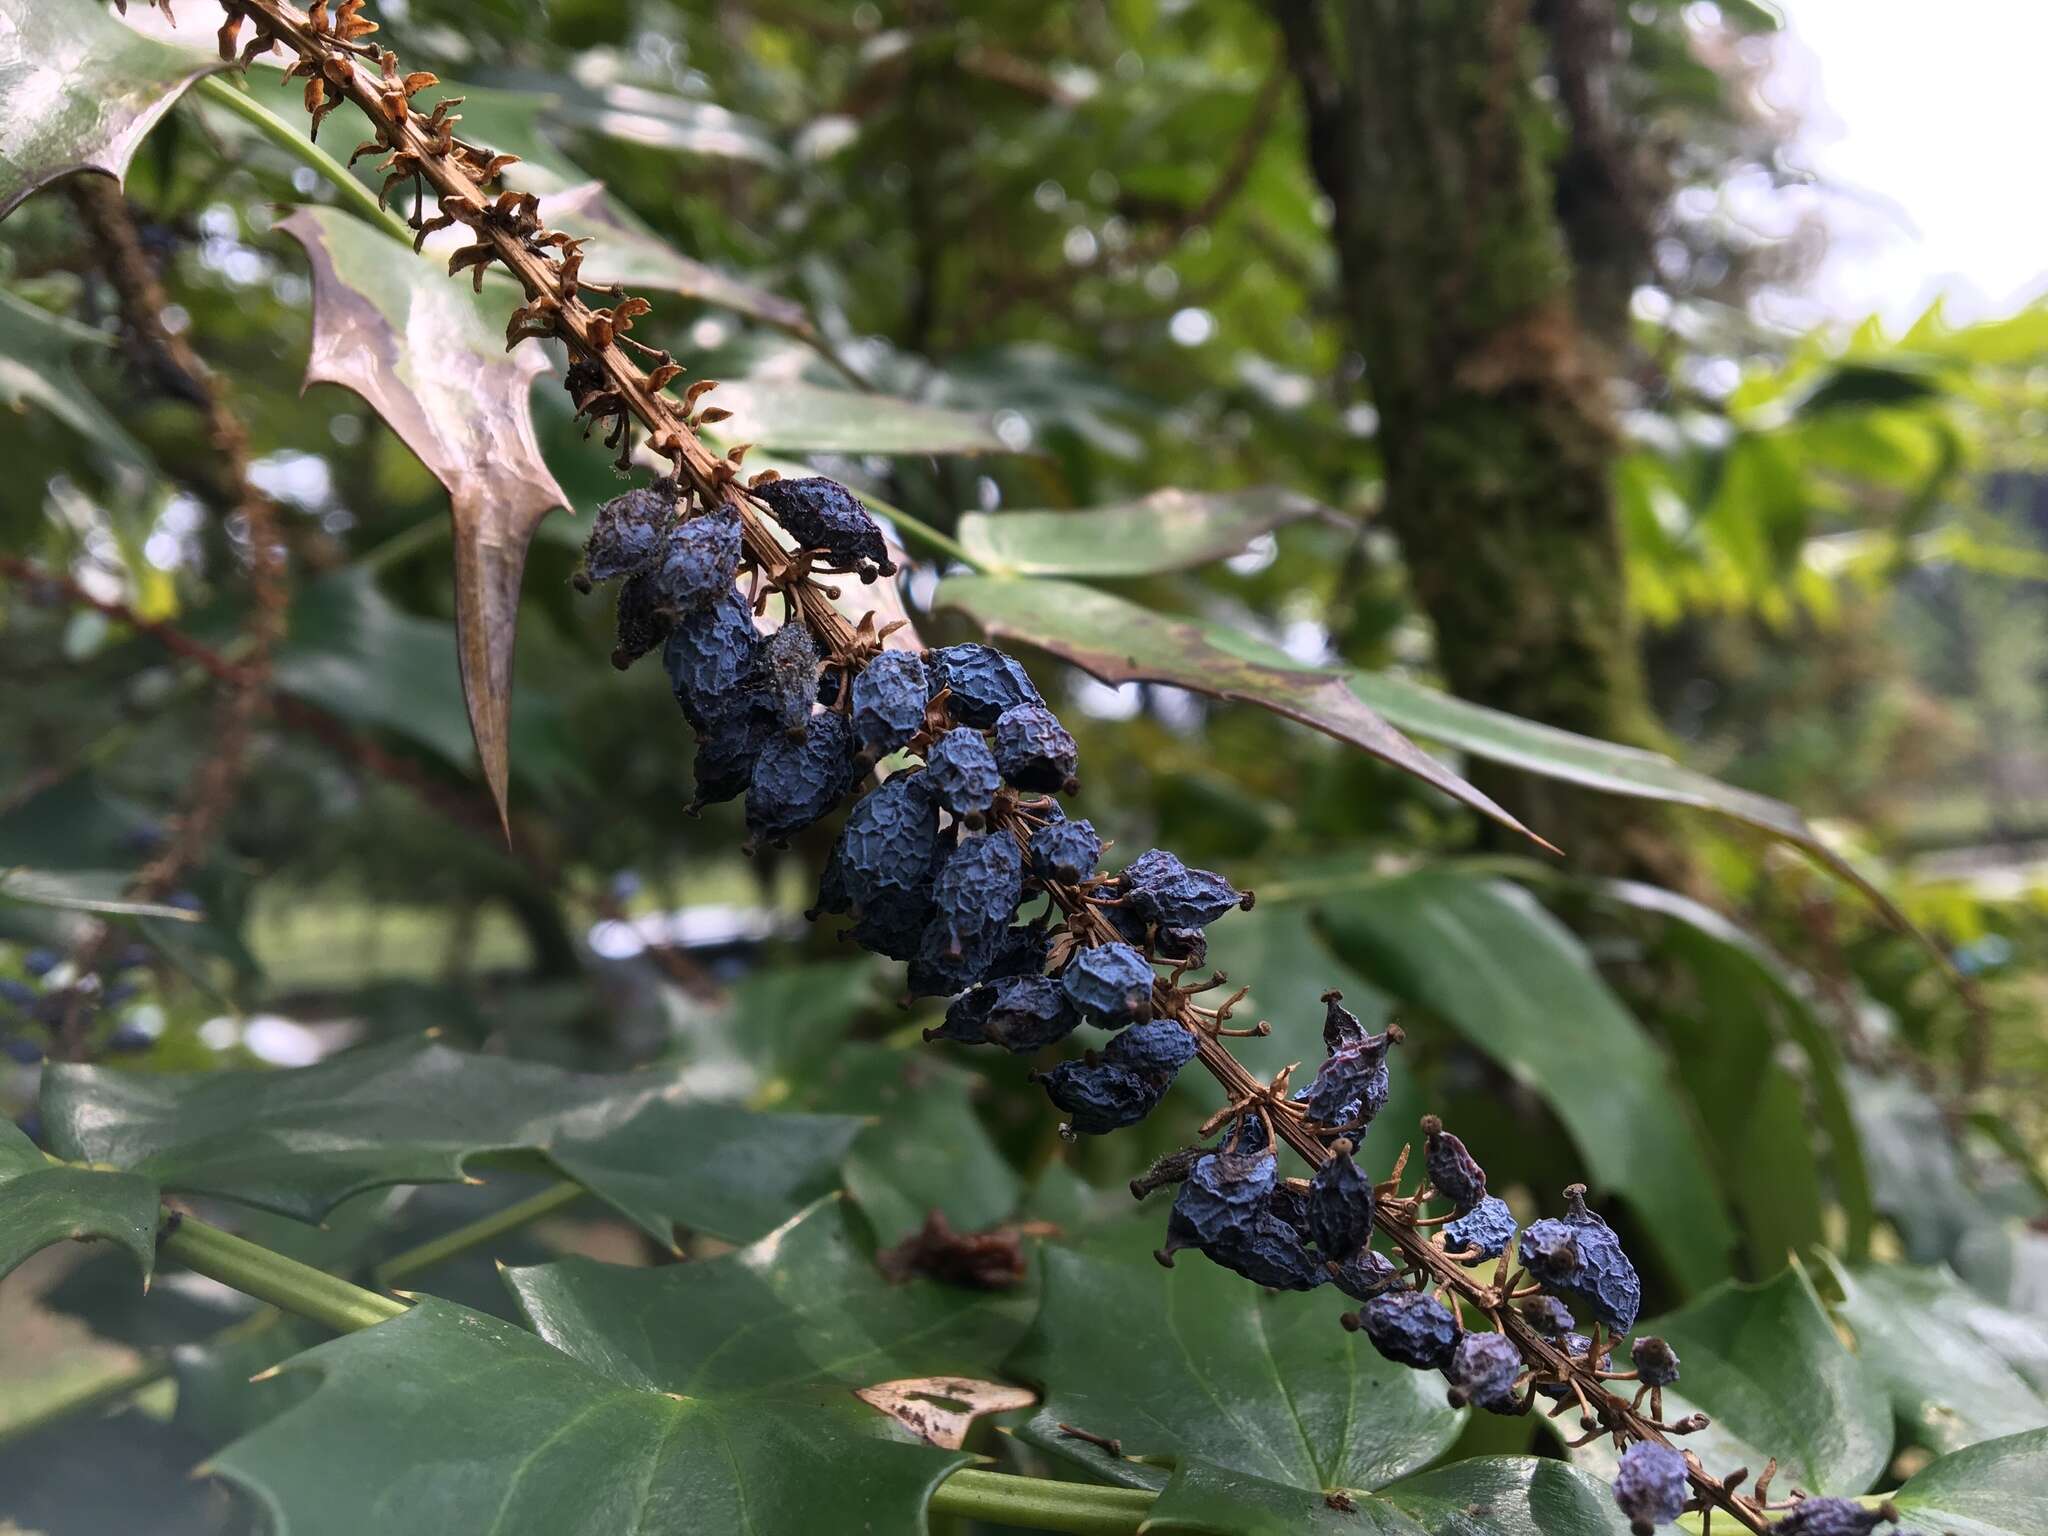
(41, 1204)
(1997, 1488)
(1168, 530)
(1513, 1495)
(429, 357)
(36, 349)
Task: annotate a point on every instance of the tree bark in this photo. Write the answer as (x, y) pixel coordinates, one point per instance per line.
(1426, 133)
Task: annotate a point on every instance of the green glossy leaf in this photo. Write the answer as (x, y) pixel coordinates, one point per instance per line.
(42, 1204)
(1612, 769)
(1958, 1369)
(1996, 1488)
(1195, 1364)
(1765, 1364)
(1916, 1177)
(1119, 641)
(789, 414)
(447, 1420)
(84, 890)
(36, 349)
(429, 357)
(1484, 957)
(1762, 985)
(924, 1149)
(79, 92)
(760, 1042)
(1509, 1496)
(802, 1308)
(1214, 1501)
(1169, 530)
(299, 1142)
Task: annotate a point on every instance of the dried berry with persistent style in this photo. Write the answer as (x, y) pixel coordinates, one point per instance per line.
(1547, 1315)
(1656, 1362)
(885, 850)
(1223, 1192)
(643, 622)
(1111, 984)
(1578, 1257)
(1364, 1275)
(1164, 1045)
(1351, 1086)
(1017, 952)
(1650, 1486)
(1269, 1252)
(786, 671)
(796, 781)
(1487, 1229)
(1026, 1013)
(1034, 751)
(982, 682)
(1411, 1329)
(1340, 1205)
(727, 750)
(1483, 1370)
(963, 773)
(889, 700)
(1162, 890)
(1101, 1097)
(824, 515)
(1834, 1517)
(710, 658)
(976, 892)
(699, 562)
(626, 535)
(1455, 1173)
(1065, 851)
(966, 1021)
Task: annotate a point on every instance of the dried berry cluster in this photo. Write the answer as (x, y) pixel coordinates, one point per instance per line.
(937, 860)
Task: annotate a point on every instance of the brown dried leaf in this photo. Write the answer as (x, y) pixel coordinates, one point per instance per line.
(428, 357)
(941, 1409)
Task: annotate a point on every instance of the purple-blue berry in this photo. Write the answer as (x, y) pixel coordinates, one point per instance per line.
(963, 773)
(888, 701)
(1453, 1170)
(1833, 1517)
(1161, 890)
(1656, 1362)
(1340, 1206)
(983, 682)
(822, 514)
(1034, 751)
(699, 561)
(1487, 1227)
(1650, 1486)
(1111, 984)
(626, 535)
(1578, 1257)
(1411, 1329)
(1164, 1045)
(1066, 852)
(1483, 1369)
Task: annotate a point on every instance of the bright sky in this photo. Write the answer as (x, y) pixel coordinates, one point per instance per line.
(1932, 117)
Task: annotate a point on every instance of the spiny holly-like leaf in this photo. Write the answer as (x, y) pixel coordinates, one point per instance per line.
(300, 1142)
(1169, 530)
(1508, 1496)
(1203, 1499)
(926, 1149)
(1483, 956)
(1119, 641)
(78, 92)
(41, 1204)
(713, 1396)
(790, 414)
(1765, 1364)
(429, 356)
(36, 349)
(1195, 1364)
(1996, 1488)
(1957, 1369)
(761, 1041)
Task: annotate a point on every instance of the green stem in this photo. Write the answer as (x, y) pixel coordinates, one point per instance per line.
(924, 533)
(1040, 1504)
(288, 138)
(476, 1233)
(254, 1271)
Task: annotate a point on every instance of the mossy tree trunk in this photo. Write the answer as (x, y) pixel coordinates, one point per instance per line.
(1426, 131)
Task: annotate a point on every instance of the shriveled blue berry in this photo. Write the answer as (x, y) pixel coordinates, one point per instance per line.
(1833, 1517)
(899, 934)
(1101, 1097)
(884, 852)
(1488, 1227)
(1351, 1086)
(983, 682)
(1026, 1013)
(1164, 1045)
(966, 1021)
(1482, 1370)
(19, 993)
(1364, 1275)
(1547, 1315)
(1111, 984)
(786, 673)
(1034, 751)
(963, 773)
(1018, 952)
(710, 659)
(1453, 1170)
(1172, 946)
(626, 535)
(1223, 1192)
(977, 890)
(1269, 1252)
(1578, 1346)
(823, 514)
(943, 961)
(643, 621)
(888, 701)
(1579, 1258)
(728, 746)
(798, 780)
(1650, 1487)
(40, 961)
(1411, 1329)
(1065, 851)
(1340, 1206)
(1656, 1362)
(699, 561)
(1162, 890)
